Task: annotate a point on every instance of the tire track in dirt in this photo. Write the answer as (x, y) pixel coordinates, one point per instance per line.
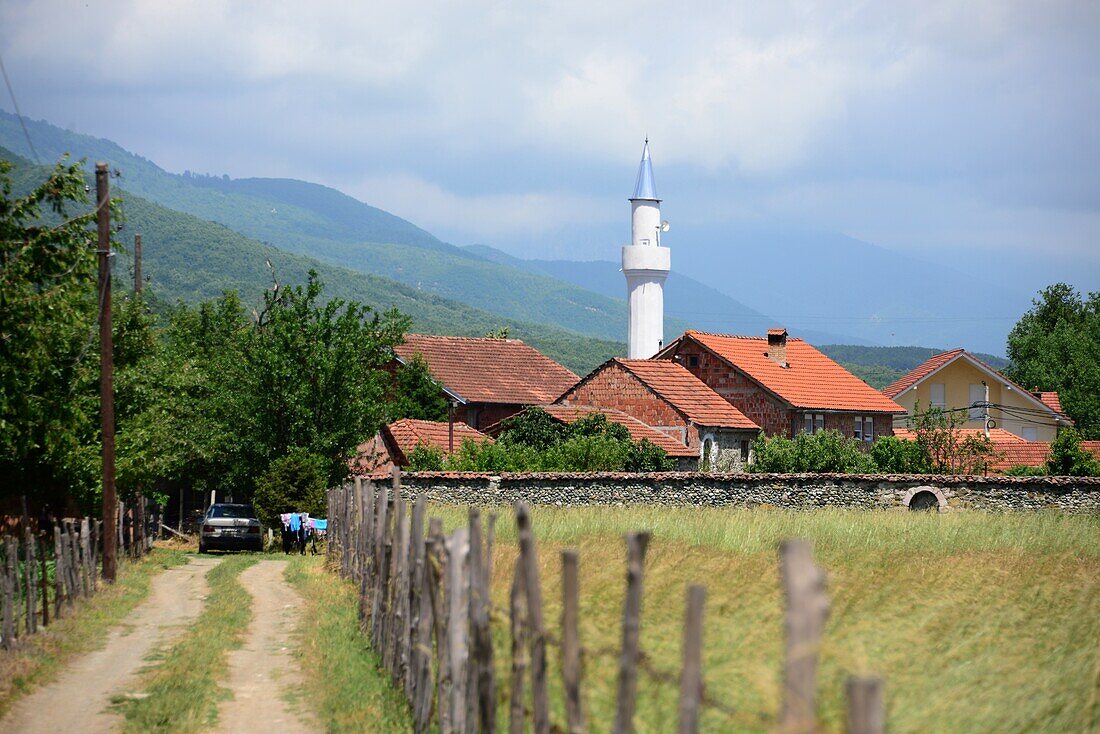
(264, 669)
(77, 701)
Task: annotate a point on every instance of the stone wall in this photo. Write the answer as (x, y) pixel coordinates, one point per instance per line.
(798, 491)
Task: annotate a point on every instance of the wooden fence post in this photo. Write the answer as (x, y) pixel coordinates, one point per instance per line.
(422, 651)
(30, 578)
(44, 581)
(380, 565)
(13, 574)
(365, 550)
(807, 608)
(85, 558)
(458, 623)
(399, 629)
(866, 710)
(440, 606)
(58, 571)
(632, 613)
(7, 602)
(691, 676)
(517, 608)
(482, 678)
(571, 641)
(416, 584)
(535, 628)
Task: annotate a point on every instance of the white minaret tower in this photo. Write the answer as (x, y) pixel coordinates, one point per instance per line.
(645, 265)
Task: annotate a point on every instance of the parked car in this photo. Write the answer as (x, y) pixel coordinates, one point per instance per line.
(230, 527)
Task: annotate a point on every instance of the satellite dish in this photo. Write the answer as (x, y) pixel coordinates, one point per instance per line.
(664, 226)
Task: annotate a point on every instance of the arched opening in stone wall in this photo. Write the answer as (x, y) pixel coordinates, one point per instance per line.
(925, 498)
(924, 502)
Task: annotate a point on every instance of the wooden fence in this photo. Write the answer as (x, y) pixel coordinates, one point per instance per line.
(42, 574)
(424, 603)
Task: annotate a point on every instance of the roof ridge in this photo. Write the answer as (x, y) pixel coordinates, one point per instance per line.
(739, 336)
(466, 338)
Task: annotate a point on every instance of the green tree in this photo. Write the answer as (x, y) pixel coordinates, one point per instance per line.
(533, 427)
(426, 458)
(1056, 346)
(49, 407)
(1068, 459)
(893, 455)
(416, 394)
(947, 448)
(292, 483)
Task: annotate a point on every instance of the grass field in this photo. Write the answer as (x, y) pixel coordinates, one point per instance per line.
(977, 622)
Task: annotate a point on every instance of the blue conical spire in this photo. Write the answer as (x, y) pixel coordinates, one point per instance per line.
(644, 188)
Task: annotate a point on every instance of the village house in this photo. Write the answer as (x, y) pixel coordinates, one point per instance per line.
(395, 442)
(784, 385)
(958, 381)
(486, 379)
(665, 396)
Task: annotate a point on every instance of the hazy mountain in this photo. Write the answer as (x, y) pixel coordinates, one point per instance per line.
(324, 224)
(686, 300)
(880, 366)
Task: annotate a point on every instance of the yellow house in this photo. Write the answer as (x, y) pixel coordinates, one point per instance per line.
(960, 382)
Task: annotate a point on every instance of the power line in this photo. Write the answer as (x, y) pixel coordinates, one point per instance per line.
(22, 123)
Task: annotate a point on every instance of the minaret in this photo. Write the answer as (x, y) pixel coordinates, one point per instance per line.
(645, 265)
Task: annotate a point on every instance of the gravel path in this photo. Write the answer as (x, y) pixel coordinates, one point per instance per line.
(263, 671)
(77, 701)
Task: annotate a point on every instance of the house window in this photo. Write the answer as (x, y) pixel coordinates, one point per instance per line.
(693, 360)
(936, 392)
(815, 422)
(864, 429)
(977, 400)
(745, 448)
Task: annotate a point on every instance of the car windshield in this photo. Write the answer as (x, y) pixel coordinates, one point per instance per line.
(235, 511)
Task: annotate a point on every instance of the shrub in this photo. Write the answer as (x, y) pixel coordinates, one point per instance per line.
(893, 455)
(1023, 470)
(825, 451)
(426, 458)
(1068, 459)
(293, 483)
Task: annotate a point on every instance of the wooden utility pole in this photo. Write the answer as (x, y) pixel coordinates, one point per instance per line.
(106, 372)
(137, 263)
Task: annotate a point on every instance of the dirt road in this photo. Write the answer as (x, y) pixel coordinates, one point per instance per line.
(77, 701)
(263, 670)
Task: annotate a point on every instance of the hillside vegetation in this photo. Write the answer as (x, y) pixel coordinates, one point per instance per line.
(188, 259)
(880, 366)
(325, 224)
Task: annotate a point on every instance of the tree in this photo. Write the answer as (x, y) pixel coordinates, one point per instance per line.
(293, 483)
(416, 394)
(893, 455)
(48, 366)
(1068, 459)
(1056, 346)
(947, 448)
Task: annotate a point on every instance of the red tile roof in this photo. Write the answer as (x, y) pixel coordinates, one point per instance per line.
(811, 380)
(637, 429)
(490, 370)
(408, 433)
(1052, 401)
(1011, 450)
(687, 393)
(919, 372)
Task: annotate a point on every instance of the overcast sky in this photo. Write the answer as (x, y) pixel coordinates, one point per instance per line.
(925, 127)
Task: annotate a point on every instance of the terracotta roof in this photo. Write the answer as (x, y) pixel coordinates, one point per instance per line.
(811, 380)
(919, 372)
(1011, 450)
(490, 370)
(1051, 400)
(687, 393)
(637, 429)
(408, 433)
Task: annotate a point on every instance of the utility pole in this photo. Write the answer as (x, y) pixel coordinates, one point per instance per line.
(985, 405)
(137, 264)
(106, 372)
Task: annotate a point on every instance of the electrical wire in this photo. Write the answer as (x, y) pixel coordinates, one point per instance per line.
(22, 123)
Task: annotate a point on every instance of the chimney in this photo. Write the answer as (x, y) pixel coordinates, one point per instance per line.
(777, 346)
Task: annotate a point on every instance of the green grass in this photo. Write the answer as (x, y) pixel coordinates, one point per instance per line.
(978, 622)
(344, 681)
(183, 685)
(42, 656)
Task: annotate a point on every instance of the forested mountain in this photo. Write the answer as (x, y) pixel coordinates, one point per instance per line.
(322, 223)
(188, 259)
(880, 366)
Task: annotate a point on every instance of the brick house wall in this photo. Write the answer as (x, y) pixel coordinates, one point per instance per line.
(483, 415)
(766, 410)
(615, 387)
